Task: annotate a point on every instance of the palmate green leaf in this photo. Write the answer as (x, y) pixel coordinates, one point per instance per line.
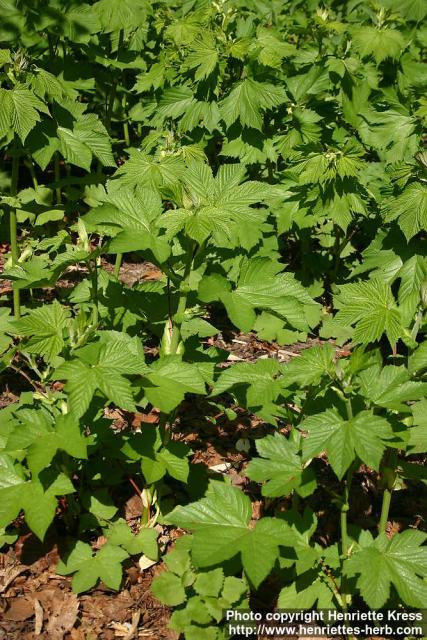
(418, 360)
(365, 435)
(261, 287)
(106, 565)
(387, 265)
(142, 170)
(153, 78)
(221, 207)
(390, 387)
(43, 142)
(321, 167)
(378, 129)
(168, 588)
(409, 209)
(45, 327)
(281, 468)
(401, 562)
(158, 459)
(412, 274)
(272, 329)
(100, 366)
(209, 584)
(5, 537)
(99, 503)
(311, 366)
(90, 130)
(183, 31)
(314, 82)
(303, 128)
(379, 43)
(251, 147)
(418, 431)
(317, 595)
(378, 261)
(4, 57)
(253, 385)
(371, 307)
(41, 439)
(46, 85)
(20, 111)
(37, 500)
(259, 380)
(272, 48)
(413, 10)
(145, 541)
(200, 114)
(126, 14)
(219, 523)
(248, 101)
(169, 379)
(174, 102)
(79, 22)
(130, 216)
(84, 141)
(203, 57)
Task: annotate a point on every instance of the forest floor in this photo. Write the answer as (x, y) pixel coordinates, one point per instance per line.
(37, 604)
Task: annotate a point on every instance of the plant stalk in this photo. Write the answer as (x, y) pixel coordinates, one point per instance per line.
(57, 170)
(345, 507)
(126, 135)
(389, 473)
(108, 117)
(112, 96)
(14, 231)
(118, 264)
(30, 167)
(94, 281)
(385, 508)
(344, 537)
(182, 301)
(417, 324)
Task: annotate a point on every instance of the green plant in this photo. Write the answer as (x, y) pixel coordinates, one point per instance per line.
(268, 161)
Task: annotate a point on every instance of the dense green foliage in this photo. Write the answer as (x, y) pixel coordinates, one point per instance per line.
(270, 164)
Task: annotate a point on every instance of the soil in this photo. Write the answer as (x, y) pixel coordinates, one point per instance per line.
(37, 604)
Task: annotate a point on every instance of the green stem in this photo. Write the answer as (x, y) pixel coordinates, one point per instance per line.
(345, 507)
(108, 117)
(113, 91)
(344, 537)
(349, 409)
(118, 264)
(57, 170)
(344, 511)
(417, 324)
(14, 230)
(182, 301)
(389, 475)
(51, 51)
(30, 167)
(94, 281)
(126, 133)
(385, 508)
(125, 122)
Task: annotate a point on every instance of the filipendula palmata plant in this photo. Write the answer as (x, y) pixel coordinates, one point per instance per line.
(268, 163)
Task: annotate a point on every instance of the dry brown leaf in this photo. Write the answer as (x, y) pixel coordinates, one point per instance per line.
(38, 622)
(19, 610)
(133, 508)
(65, 608)
(150, 418)
(10, 569)
(128, 630)
(77, 634)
